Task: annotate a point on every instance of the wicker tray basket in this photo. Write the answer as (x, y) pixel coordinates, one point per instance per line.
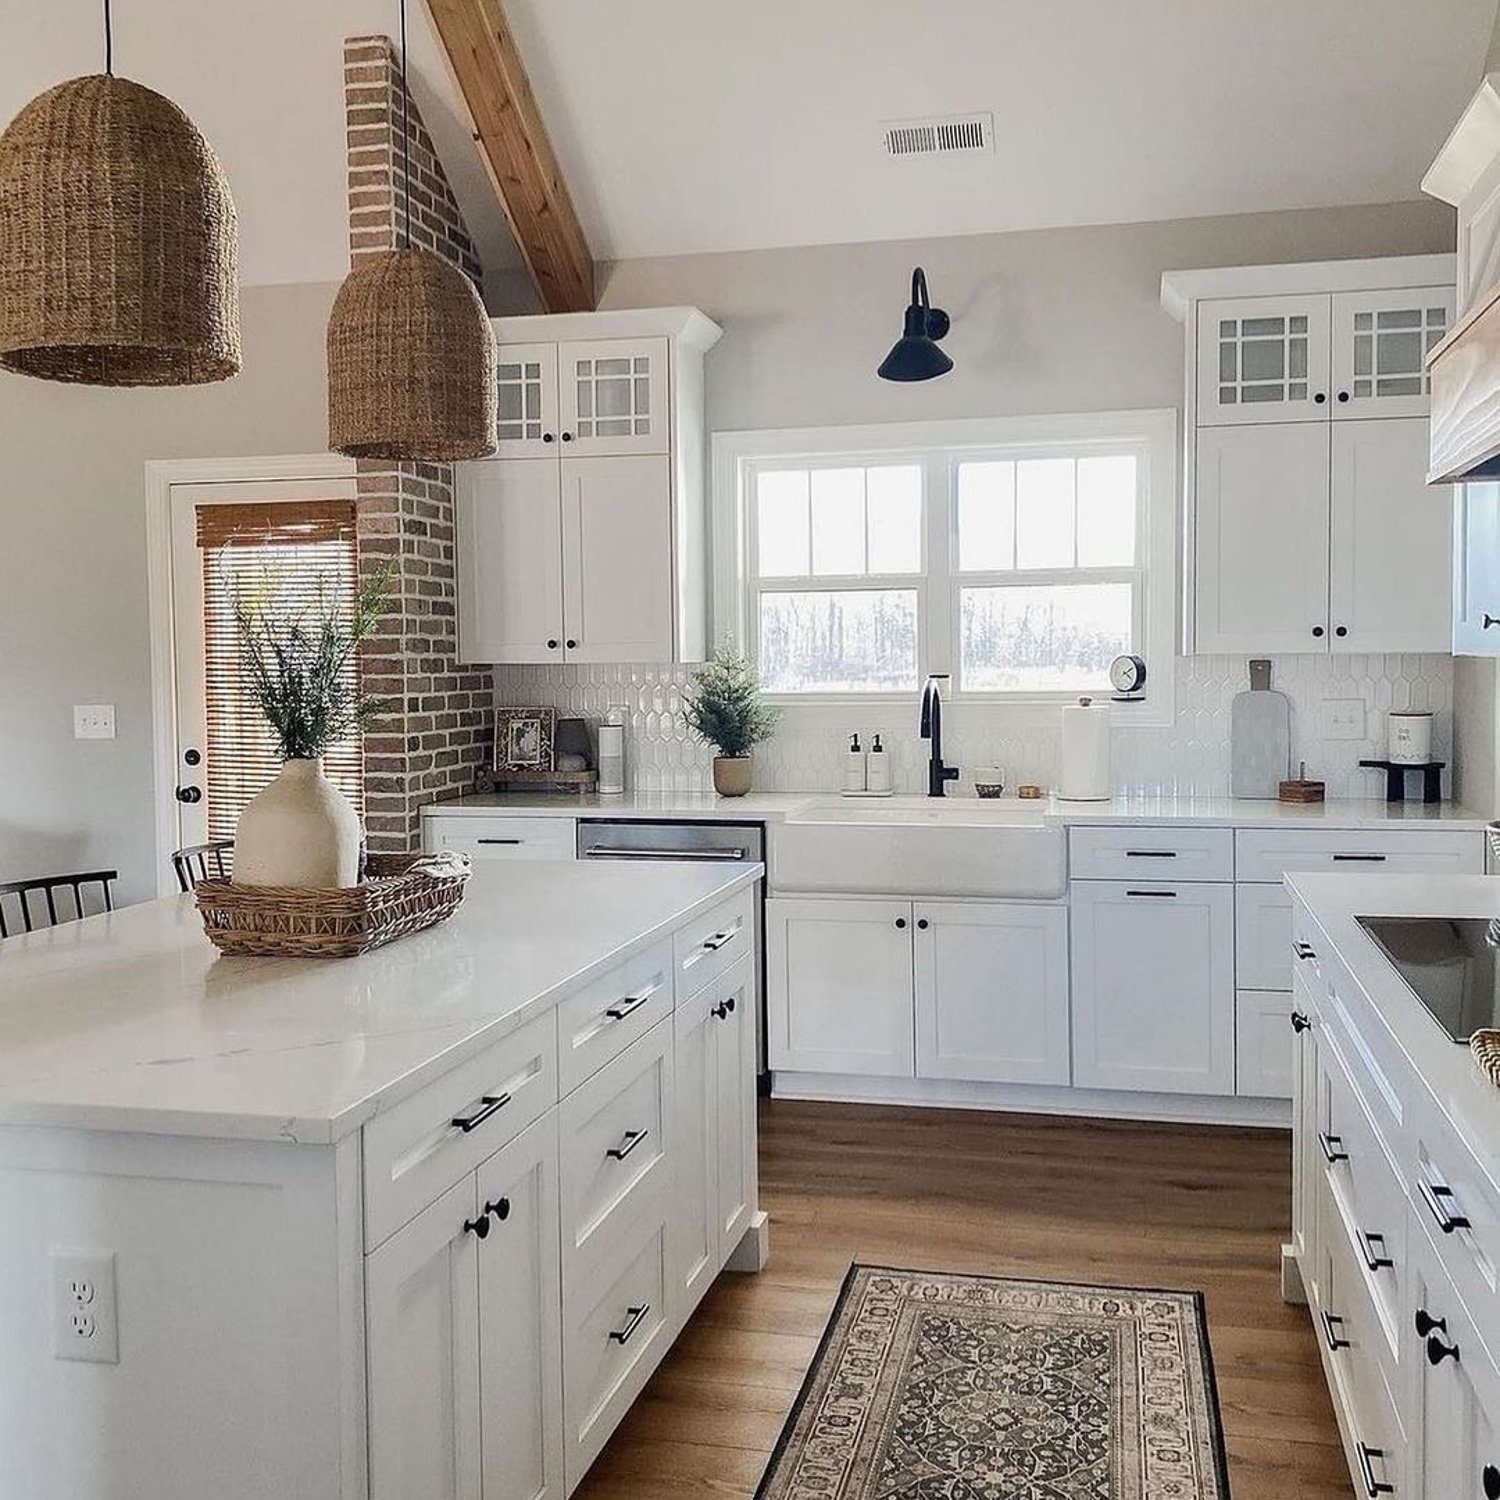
(283, 922)
(1485, 1047)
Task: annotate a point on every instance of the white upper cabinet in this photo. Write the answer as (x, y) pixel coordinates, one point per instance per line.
(1476, 569)
(1381, 341)
(527, 425)
(613, 396)
(1311, 525)
(585, 539)
(1262, 359)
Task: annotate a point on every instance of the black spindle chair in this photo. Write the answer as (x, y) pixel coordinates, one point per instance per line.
(38, 904)
(203, 862)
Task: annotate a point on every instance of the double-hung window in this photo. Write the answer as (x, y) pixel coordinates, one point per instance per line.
(1018, 556)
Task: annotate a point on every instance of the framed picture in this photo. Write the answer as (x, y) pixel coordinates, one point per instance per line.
(523, 739)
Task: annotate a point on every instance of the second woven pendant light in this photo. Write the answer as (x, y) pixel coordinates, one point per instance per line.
(411, 355)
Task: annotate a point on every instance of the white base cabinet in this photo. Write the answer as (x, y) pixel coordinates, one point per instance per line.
(932, 989)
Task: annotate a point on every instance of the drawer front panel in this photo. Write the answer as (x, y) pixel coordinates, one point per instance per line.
(1263, 1044)
(416, 1151)
(1174, 854)
(1262, 938)
(615, 1166)
(615, 1331)
(600, 1021)
(713, 943)
(501, 838)
(1452, 1200)
(1266, 854)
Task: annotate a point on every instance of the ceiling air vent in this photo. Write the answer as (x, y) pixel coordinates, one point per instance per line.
(950, 135)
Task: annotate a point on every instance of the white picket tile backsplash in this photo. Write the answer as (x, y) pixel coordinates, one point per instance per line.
(1191, 756)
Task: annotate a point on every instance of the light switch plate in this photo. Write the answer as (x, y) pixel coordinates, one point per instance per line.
(1344, 719)
(84, 1322)
(93, 721)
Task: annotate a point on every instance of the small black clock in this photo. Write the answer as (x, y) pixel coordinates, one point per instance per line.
(1127, 675)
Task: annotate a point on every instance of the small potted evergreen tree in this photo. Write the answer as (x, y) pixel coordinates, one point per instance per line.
(726, 709)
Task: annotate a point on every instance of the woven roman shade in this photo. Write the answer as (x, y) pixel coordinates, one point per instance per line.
(411, 362)
(118, 241)
(301, 554)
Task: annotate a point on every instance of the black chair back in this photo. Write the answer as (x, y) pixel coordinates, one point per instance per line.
(44, 902)
(203, 862)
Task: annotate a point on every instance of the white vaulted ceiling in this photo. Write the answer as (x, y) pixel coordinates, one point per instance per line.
(688, 125)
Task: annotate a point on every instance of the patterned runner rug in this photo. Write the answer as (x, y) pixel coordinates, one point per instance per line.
(929, 1386)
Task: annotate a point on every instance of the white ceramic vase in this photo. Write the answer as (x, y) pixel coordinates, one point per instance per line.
(300, 831)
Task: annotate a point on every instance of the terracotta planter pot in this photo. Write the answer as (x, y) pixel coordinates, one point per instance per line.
(732, 775)
(300, 831)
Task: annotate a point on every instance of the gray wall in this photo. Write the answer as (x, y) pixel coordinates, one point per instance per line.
(73, 611)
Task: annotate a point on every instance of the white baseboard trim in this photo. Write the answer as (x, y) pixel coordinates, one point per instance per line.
(1038, 1099)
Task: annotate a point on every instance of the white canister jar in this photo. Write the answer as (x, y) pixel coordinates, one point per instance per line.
(1409, 738)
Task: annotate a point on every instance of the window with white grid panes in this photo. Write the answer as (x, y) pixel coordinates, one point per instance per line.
(526, 380)
(1381, 344)
(1263, 359)
(614, 396)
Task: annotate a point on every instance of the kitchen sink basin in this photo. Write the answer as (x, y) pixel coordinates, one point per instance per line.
(919, 846)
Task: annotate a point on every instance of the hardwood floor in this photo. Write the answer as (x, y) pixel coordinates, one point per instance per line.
(1136, 1205)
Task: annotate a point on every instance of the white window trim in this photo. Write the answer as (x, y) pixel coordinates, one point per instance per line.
(1151, 433)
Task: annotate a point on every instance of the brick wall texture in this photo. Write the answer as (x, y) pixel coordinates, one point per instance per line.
(439, 733)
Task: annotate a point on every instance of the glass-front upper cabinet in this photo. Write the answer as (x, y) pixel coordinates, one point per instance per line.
(1381, 341)
(1263, 359)
(527, 424)
(613, 396)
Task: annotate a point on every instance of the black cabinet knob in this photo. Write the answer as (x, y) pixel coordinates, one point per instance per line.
(901, 922)
(1300, 1023)
(1320, 398)
(567, 437)
(1318, 631)
(1341, 631)
(1343, 395)
(479, 1227)
(1490, 620)
(1426, 1323)
(552, 645)
(572, 645)
(1438, 1351)
(922, 923)
(548, 438)
(724, 1009)
(1491, 1478)
(500, 1208)
(191, 757)
(190, 794)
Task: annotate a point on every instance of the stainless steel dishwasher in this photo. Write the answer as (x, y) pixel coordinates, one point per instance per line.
(720, 843)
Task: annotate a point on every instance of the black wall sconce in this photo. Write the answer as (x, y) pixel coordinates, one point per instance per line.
(916, 355)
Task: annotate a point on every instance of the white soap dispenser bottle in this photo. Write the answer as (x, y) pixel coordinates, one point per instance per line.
(854, 766)
(878, 769)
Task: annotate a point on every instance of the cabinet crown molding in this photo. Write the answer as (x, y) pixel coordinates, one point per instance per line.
(1470, 149)
(687, 325)
(1180, 289)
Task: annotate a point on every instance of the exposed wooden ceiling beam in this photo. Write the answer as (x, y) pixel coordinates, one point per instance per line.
(517, 150)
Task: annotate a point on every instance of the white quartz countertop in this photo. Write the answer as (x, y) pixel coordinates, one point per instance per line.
(1335, 903)
(133, 1021)
(772, 807)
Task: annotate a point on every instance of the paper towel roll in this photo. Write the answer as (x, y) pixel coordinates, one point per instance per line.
(1085, 774)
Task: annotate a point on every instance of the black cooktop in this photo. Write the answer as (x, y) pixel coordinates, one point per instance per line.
(1449, 964)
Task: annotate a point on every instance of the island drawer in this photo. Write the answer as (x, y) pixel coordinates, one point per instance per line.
(615, 1328)
(710, 945)
(501, 837)
(614, 1165)
(416, 1151)
(597, 1023)
(1151, 853)
(1266, 854)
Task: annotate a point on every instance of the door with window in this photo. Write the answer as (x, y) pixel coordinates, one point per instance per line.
(283, 547)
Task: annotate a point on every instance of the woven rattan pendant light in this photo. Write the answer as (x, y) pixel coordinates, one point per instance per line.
(119, 260)
(411, 357)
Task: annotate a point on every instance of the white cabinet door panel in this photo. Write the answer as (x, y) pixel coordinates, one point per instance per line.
(422, 1345)
(1262, 937)
(1153, 987)
(613, 396)
(1264, 1053)
(1261, 570)
(1476, 569)
(992, 992)
(839, 986)
(1390, 584)
(527, 417)
(738, 1175)
(1381, 341)
(510, 560)
(694, 1240)
(1263, 359)
(617, 559)
(520, 1320)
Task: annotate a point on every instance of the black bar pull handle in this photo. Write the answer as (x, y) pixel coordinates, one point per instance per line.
(508, 843)
(1159, 895)
(1303, 950)
(1359, 859)
(630, 1004)
(1150, 854)
(1373, 1487)
(636, 1316)
(1375, 1260)
(1333, 1147)
(1332, 1337)
(488, 1106)
(717, 941)
(628, 1143)
(1437, 1197)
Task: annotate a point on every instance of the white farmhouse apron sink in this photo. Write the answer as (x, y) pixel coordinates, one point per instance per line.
(919, 846)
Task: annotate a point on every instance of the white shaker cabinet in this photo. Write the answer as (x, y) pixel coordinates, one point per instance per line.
(1153, 986)
(584, 539)
(992, 991)
(1263, 359)
(1381, 341)
(1476, 569)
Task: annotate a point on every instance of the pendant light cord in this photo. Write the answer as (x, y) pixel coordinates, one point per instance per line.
(405, 140)
(109, 41)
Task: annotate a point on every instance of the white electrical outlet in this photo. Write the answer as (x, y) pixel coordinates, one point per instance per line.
(84, 1323)
(93, 721)
(1344, 719)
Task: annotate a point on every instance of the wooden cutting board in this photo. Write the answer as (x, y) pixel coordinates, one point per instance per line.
(1260, 737)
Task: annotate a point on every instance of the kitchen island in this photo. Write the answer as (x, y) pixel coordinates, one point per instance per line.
(378, 1227)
